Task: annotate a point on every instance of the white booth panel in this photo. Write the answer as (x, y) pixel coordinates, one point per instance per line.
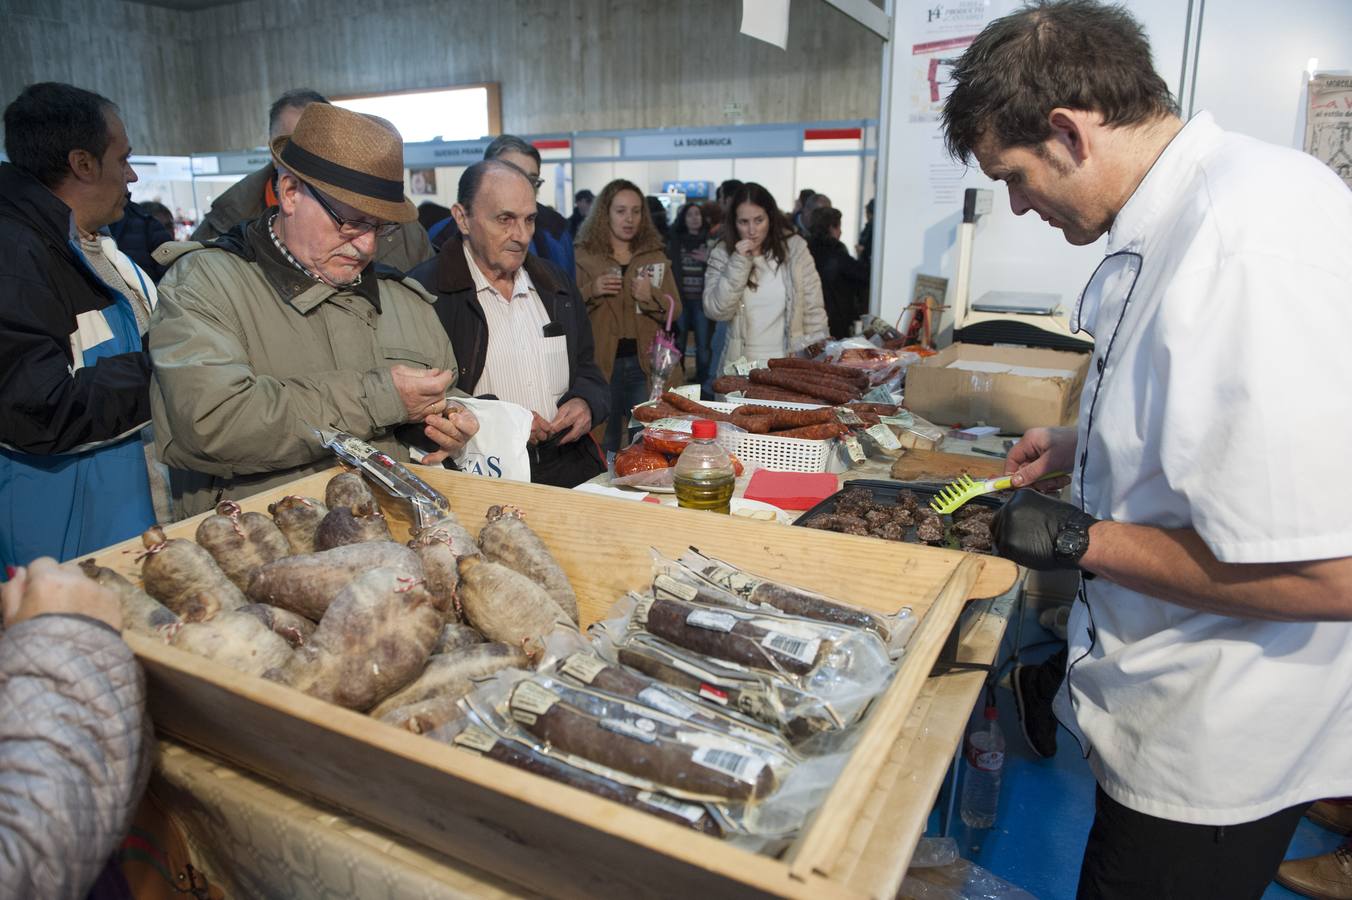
(1261, 92)
(838, 178)
(774, 173)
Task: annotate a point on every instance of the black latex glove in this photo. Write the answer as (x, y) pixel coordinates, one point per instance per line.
(1025, 530)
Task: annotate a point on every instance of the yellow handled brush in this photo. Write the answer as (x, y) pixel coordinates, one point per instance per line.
(956, 493)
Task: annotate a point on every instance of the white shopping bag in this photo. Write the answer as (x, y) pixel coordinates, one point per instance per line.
(498, 450)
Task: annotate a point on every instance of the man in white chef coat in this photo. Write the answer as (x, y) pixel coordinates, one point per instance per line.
(1210, 665)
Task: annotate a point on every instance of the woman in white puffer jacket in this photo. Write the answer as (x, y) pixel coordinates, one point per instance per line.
(763, 281)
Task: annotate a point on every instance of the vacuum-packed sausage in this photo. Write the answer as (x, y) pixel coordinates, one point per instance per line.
(722, 635)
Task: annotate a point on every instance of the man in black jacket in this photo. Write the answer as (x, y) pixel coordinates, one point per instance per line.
(517, 324)
(74, 377)
(138, 233)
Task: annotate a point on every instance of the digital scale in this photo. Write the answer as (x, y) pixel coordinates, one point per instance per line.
(1004, 317)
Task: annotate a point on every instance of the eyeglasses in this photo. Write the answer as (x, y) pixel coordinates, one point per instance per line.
(352, 228)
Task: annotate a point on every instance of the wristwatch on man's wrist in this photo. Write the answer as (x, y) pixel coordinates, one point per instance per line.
(1073, 539)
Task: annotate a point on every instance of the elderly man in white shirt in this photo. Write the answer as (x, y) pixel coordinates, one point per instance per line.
(519, 322)
(1210, 663)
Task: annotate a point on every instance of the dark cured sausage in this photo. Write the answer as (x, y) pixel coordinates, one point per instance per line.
(809, 365)
(657, 411)
(656, 755)
(789, 382)
(521, 757)
(826, 381)
(727, 384)
(742, 643)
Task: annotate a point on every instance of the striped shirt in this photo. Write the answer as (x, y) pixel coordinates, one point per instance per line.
(523, 366)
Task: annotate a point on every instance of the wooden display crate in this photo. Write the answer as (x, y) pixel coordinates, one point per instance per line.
(547, 836)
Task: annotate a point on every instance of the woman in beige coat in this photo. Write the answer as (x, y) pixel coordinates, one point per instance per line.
(625, 279)
(762, 280)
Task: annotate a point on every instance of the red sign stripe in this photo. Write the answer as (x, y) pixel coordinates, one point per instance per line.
(552, 144)
(832, 134)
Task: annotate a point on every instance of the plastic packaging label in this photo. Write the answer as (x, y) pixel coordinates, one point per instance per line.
(742, 367)
(717, 695)
(990, 761)
(660, 700)
(801, 649)
(856, 451)
(688, 811)
(733, 579)
(635, 729)
(669, 585)
(847, 416)
(710, 620)
(584, 667)
(476, 738)
(533, 698)
(884, 436)
(729, 762)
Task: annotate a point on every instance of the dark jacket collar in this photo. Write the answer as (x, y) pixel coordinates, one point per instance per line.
(453, 275)
(24, 197)
(251, 241)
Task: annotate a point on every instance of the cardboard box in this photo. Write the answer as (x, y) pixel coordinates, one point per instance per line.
(1014, 388)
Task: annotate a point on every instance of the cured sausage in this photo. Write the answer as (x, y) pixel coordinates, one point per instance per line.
(509, 540)
(791, 418)
(844, 373)
(504, 605)
(349, 489)
(814, 432)
(728, 384)
(722, 635)
(789, 381)
(241, 542)
(765, 392)
(308, 584)
(452, 675)
(633, 743)
(185, 578)
(140, 611)
(522, 757)
(341, 526)
(651, 413)
(298, 517)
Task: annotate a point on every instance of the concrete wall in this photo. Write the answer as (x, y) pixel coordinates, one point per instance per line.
(198, 81)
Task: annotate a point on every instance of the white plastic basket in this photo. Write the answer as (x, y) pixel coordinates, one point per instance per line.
(780, 453)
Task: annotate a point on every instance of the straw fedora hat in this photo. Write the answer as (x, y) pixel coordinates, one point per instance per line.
(351, 157)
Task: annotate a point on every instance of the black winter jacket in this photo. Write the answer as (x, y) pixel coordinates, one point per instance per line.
(138, 233)
(458, 307)
(44, 408)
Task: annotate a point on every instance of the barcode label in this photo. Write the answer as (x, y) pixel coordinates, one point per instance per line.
(729, 762)
(688, 811)
(660, 700)
(802, 649)
(668, 585)
(640, 729)
(884, 436)
(710, 620)
(533, 698)
(583, 666)
(476, 738)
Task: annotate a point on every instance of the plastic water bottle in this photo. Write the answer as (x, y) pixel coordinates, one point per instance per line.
(985, 755)
(703, 475)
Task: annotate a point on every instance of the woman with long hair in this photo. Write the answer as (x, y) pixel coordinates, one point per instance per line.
(626, 281)
(844, 279)
(688, 250)
(762, 281)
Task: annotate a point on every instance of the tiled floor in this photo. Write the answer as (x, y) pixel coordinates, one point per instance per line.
(1046, 807)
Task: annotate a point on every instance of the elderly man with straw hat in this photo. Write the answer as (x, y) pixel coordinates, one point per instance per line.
(283, 325)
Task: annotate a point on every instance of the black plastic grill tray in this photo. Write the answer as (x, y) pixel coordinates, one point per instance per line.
(886, 492)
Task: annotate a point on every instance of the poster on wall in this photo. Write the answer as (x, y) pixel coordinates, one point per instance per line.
(943, 30)
(1328, 123)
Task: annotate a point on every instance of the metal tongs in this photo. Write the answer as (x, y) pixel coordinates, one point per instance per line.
(429, 505)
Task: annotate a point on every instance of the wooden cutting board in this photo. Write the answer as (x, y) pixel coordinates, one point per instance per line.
(935, 465)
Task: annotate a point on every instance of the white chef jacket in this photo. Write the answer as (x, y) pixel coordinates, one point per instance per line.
(1219, 391)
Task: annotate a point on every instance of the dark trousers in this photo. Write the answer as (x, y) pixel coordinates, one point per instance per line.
(628, 388)
(1131, 855)
(566, 465)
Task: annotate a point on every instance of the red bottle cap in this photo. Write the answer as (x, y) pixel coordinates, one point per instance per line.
(992, 714)
(703, 429)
